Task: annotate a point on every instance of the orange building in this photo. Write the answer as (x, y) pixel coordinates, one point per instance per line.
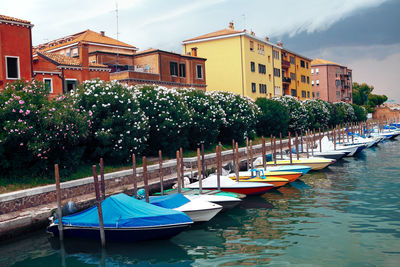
(63, 73)
(154, 66)
(296, 73)
(15, 50)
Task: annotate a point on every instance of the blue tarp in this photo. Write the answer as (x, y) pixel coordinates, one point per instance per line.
(169, 201)
(121, 211)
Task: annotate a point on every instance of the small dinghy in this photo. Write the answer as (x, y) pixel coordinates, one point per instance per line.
(197, 209)
(125, 219)
(245, 188)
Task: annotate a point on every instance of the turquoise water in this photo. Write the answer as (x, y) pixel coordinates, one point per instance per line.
(346, 215)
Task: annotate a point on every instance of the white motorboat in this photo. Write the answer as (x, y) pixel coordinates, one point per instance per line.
(197, 209)
(227, 202)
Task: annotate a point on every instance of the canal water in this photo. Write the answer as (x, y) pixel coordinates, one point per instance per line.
(346, 215)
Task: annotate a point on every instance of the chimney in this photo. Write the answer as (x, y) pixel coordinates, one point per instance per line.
(102, 33)
(231, 25)
(194, 51)
(279, 44)
(266, 38)
(252, 33)
(84, 58)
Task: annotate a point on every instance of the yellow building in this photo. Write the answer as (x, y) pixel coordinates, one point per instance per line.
(296, 73)
(239, 62)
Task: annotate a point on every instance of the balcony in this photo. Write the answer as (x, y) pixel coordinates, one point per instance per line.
(285, 64)
(344, 76)
(286, 80)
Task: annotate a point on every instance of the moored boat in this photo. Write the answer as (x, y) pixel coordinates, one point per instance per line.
(125, 219)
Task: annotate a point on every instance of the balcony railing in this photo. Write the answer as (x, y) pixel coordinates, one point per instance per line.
(285, 64)
(286, 80)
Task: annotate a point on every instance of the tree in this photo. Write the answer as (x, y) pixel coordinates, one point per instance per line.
(361, 92)
(273, 118)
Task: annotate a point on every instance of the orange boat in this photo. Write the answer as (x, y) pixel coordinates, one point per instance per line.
(291, 176)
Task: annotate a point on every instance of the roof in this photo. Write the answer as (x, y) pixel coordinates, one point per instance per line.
(215, 34)
(85, 36)
(7, 18)
(153, 50)
(68, 61)
(319, 61)
(296, 54)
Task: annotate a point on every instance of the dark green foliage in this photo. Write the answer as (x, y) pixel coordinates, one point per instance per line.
(273, 117)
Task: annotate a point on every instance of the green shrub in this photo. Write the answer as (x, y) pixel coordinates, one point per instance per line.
(273, 117)
(241, 116)
(318, 113)
(169, 118)
(38, 132)
(360, 113)
(118, 126)
(298, 114)
(207, 117)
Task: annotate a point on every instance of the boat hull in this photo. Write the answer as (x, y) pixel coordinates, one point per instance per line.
(248, 191)
(121, 234)
(203, 215)
(315, 166)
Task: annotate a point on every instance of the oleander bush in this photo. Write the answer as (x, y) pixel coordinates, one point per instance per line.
(241, 114)
(37, 132)
(299, 120)
(118, 126)
(169, 118)
(273, 117)
(207, 117)
(318, 113)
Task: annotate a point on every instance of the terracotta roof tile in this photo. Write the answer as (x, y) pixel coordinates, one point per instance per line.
(85, 36)
(319, 61)
(69, 61)
(214, 34)
(3, 17)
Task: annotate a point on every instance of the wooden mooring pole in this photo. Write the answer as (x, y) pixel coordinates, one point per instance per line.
(217, 155)
(280, 145)
(58, 195)
(251, 154)
(160, 172)
(134, 175)
(182, 168)
(99, 210)
(297, 146)
(102, 183)
(274, 151)
(178, 172)
(237, 162)
(145, 180)
(290, 149)
(199, 171)
(263, 152)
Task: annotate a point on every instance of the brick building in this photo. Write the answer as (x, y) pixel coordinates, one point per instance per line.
(331, 82)
(164, 68)
(15, 50)
(63, 73)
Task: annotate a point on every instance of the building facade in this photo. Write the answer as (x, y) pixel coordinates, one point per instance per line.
(331, 81)
(296, 74)
(164, 68)
(15, 50)
(239, 62)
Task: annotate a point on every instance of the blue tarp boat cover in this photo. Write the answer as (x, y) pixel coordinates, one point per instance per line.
(122, 211)
(169, 201)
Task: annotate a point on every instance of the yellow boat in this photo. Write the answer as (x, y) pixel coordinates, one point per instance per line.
(291, 176)
(276, 181)
(314, 163)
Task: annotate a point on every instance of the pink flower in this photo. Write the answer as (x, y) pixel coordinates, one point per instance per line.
(21, 144)
(21, 111)
(90, 113)
(39, 155)
(21, 102)
(13, 110)
(27, 112)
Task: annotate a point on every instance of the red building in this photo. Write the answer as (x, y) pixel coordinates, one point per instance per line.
(331, 82)
(63, 73)
(164, 68)
(15, 50)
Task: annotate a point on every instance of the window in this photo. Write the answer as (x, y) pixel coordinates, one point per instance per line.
(70, 84)
(293, 76)
(173, 68)
(278, 90)
(303, 79)
(303, 94)
(317, 82)
(308, 94)
(313, 94)
(260, 49)
(261, 68)
(308, 80)
(337, 84)
(48, 84)
(251, 46)
(12, 67)
(277, 72)
(252, 66)
(307, 65)
(316, 71)
(75, 52)
(293, 92)
(199, 72)
(337, 95)
(312, 71)
(292, 61)
(317, 94)
(302, 63)
(253, 87)
(275, 54)
(312, 83)
(182, 70)
(262, 88)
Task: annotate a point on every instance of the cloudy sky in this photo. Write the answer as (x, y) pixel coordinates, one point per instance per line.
(361, 34)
